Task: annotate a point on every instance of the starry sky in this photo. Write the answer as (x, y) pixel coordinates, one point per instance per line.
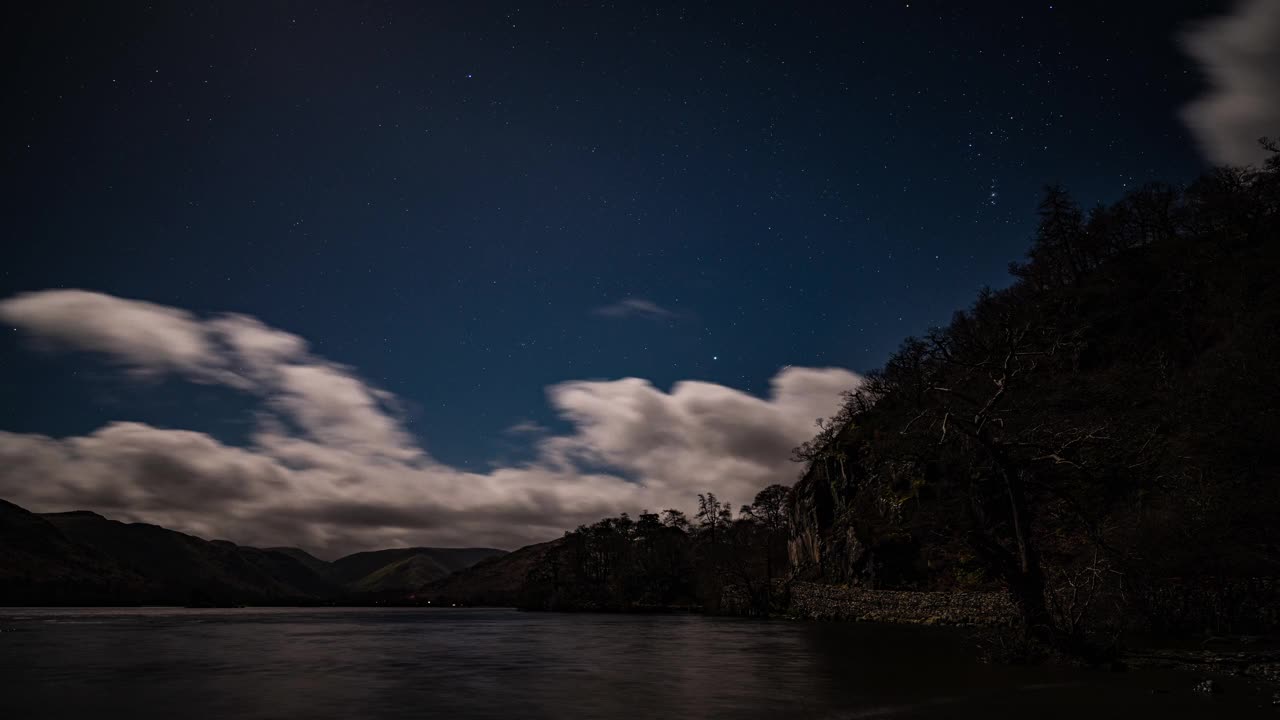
(501, 226)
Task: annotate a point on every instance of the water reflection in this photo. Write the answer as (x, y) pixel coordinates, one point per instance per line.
(389, 663)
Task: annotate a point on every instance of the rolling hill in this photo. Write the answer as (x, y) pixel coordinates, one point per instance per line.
(496, 581)
(83, 558)
(401, 569)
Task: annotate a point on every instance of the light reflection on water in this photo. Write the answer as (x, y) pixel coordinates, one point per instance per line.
(472, 663)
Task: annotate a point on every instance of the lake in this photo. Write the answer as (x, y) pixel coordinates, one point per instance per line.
(481, 663)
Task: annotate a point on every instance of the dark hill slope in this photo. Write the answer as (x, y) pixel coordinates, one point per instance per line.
(497, 581)
(403, 569)
(39, 565)
(316, 565)
(192, 570)
(82, 558)
(293, 572)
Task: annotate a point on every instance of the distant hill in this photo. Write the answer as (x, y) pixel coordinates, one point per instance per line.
(196, 571)
(82, 558)
(39, 565)
(496, 581)
(404, 568)
(318, 566)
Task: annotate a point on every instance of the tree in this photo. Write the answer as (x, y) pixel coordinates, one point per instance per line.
(713, 516)
(675, 519)
(770, 510)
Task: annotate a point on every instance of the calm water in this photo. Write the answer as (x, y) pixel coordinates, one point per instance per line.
(402, 663)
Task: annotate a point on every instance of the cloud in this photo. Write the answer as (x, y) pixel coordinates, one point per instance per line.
(699, 433)
(339, 410)
(327, 401)
(146, 338)
(526, 427)
(1239, 54)
(634, 307)
(331, 467)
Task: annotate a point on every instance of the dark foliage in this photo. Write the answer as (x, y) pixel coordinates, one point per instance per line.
(1105, 423)
(665, 561)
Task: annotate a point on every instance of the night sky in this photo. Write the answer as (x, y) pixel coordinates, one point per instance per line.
(459, 211)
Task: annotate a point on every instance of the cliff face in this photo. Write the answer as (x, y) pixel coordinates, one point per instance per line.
(824, 544)
(840, 534)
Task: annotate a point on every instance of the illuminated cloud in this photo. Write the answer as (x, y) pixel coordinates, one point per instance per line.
(332, 468)
(1239, 54)
(635, 307)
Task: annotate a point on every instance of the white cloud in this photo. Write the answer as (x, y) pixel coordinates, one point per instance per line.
(526, 427)
(146, 338)
(699, 432)
(1239, 54)
(261, 349)
(331, 468)
(339, 410)
(635, 307)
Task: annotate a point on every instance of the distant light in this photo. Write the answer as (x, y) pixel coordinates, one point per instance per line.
(715, 357)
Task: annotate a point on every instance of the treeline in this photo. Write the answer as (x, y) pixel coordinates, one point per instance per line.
(668, 561)
(1104, 424)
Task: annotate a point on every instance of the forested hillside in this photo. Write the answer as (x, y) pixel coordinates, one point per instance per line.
(1100, 431)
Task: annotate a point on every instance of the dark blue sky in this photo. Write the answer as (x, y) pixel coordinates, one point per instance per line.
(443, 200)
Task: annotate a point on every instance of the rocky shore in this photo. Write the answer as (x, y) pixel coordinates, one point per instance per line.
(816, 601)
(1262, 665)
(1251, 658)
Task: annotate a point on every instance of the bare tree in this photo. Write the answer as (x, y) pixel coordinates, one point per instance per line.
(713, 516)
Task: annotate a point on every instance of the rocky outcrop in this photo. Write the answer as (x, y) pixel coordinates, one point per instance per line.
(824, 543)
(813, 509)
(816, 601)
(840, 534)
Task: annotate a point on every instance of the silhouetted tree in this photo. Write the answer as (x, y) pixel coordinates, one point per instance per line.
(663, 561)
(713, 517)
(675, 519)
(770, 511)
